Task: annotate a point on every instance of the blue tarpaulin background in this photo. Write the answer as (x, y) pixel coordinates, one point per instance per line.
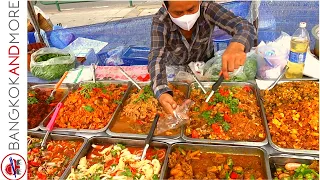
(274, 17)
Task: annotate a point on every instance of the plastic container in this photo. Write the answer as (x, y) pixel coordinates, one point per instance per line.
(135, 55)
(271, 61)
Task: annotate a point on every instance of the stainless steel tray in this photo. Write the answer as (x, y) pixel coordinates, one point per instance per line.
(276, 160)
(224, 149)
(184, 87)
(66, 87)
(42, 127)
(230, 142)
(41, 135)
(127, 142)
(272, 144)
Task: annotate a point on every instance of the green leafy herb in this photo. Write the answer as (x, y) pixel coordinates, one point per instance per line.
(121, 146)
(225, 126)
(137, 176)
(154, 156)
(104, 91)
(145, 95)
(32, 100)
(230, 162)
(46, 57)
(88, 108)
(96, 177)
(212, 103)
(206, 114)
(218, 118)
(252, 177)
(117, 101)
(87, 88)
(197, 109)
(50, 98)
(155, 177)
(113, 152)
(113, 165)
(127, 172)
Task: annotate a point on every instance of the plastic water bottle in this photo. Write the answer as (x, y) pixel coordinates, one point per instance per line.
(298, 51)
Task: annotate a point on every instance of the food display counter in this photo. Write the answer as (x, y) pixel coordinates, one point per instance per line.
(242, 133)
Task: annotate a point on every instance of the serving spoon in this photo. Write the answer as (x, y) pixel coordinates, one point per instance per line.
(150, 136)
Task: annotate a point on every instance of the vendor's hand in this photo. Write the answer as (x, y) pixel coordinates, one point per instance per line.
(167, 102)
(232, 58)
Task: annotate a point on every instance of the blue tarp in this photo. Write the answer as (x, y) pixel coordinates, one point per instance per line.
(274, 17)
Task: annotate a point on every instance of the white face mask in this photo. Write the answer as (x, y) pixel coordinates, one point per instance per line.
(186, 22)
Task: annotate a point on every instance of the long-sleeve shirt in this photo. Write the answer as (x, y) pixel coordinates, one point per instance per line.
(170, 48)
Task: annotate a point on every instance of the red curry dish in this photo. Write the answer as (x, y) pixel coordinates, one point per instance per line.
(292, 111)
(39, 105)
(91, 106)
(206, 165)
(140, 109)
(51, 162)
(231, 114)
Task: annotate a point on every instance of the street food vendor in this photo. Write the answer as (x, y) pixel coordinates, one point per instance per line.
(181, 33)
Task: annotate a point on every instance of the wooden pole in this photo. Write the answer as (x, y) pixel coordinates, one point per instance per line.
(34, 20)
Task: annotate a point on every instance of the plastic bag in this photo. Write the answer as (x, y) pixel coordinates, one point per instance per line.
(247, 72)
(51, 63)
(175, 121)
(273, 56)
(114, 58)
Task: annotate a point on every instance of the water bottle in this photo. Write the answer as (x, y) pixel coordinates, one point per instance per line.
(298, 50)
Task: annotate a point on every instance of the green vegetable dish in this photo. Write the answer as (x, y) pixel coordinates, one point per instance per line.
(297, 171)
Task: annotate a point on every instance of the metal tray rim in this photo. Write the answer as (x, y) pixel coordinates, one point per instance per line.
(42, 127)
(85, 141)
(299, 156)
(284, 150)
(164, 165)
(229, 142)
(144, 136)
(265, 153)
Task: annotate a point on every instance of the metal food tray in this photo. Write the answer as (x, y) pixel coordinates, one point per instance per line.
(126, 142)
(182, 85)
(276, 160)
(272, 144)
(230, 142)
(55, 129)
(225, 149)
(57, 137)
(66, 87)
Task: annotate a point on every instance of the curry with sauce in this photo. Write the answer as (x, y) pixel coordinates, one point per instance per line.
(140, 108)
(190, 164)
(231, 114)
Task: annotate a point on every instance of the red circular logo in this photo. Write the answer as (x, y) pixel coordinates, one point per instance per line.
(13, 166)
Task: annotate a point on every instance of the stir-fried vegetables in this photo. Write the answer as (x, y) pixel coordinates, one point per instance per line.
(231, 114)
(118, 162)
(91, 106)
(38, 105)
(140, 109)
(51, 162)
(190, 164)
(297, 171)
(292, 111)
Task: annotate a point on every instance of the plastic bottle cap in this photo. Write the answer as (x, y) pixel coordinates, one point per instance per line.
(303, 24)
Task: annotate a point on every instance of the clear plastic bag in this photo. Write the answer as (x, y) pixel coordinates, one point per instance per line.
(175, 121)
(51, 63)
(247, 72)
(114, 58)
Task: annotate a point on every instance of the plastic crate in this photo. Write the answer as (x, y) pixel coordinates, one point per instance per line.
(135, 56)
(102, 58)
